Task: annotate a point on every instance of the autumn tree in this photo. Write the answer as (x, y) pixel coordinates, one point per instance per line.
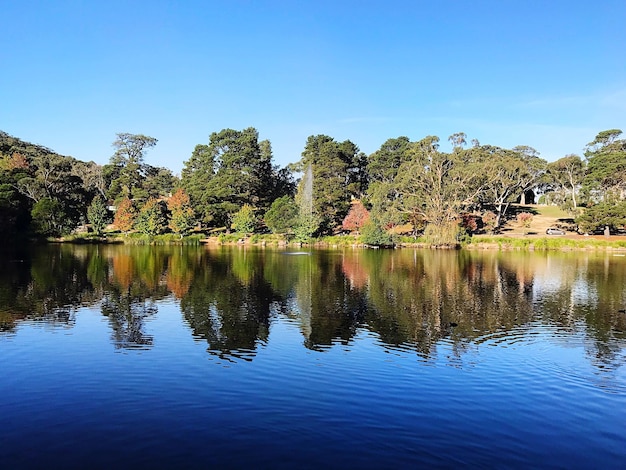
(181, 218)
(357, 216)
(125, 216)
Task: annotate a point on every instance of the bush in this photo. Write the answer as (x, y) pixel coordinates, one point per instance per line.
(524, 219)
(446, 234)
(244, 220)
(373, 234)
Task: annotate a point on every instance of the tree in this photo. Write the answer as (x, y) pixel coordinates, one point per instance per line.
(130, 150)
(606, 167)
(157, 182)
(458, 140)
(506, 175)
(335, 174)
(152, 218)
(14, 206)
(182, 219)
(382, 169)
(48, 218)
(282, 216)
(567, 174)
(525, 219)
(603, 214)
(97, 215)
(244, 220)
(535, 168)
(373, 234)
(436, 185)
(233, 170)
(125, 216)
(356, 218)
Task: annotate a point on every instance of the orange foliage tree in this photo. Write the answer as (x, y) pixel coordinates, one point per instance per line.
(125, 216)
(182, 220)
(356, 218)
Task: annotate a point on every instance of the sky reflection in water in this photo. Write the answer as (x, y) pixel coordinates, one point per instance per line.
(232, 357)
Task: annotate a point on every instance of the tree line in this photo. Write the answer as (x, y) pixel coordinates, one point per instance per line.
(232, 183)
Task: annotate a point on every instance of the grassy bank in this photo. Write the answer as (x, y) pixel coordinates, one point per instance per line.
(481, 242)
(544, 244)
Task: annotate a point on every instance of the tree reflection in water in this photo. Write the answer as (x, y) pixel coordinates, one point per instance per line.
(406, 299)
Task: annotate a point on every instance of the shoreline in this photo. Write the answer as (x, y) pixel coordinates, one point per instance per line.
(511, 242)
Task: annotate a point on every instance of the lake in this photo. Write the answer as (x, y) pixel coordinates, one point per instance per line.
(242, 357)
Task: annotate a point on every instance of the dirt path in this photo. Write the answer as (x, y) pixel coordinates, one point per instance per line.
(545, 217)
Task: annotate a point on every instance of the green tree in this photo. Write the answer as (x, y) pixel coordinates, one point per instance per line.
(606, 167)
(97, 215)
(603, 214)
(567, 174)
(48, 218)
(282, 216)
(504, 176)
(373, 234)
(382, 169)
(128, 162)
(436, 185)
(14, 206)
(244, 221)
(233, 170)
(152, 218)
(336, 177)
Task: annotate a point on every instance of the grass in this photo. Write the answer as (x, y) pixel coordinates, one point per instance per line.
(545, 244)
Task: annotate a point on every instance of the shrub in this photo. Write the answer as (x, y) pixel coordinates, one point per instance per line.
(373, 234)
(524, 219)
(244, 220)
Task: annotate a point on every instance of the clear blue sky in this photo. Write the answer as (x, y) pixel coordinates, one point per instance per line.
(550, 74)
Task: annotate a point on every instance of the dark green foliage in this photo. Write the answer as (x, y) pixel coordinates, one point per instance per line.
(49, 218)
(373, 234)
(282, 215)
(603, 214)
(338, 173)
(233, 170)
(382, 169)
(128, 167)
(37, 173)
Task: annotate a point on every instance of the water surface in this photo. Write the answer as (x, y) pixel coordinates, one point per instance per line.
(116, 356)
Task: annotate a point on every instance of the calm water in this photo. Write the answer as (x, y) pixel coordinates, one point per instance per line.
(121, 357)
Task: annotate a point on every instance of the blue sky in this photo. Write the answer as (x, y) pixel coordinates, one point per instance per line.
(549, 74)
